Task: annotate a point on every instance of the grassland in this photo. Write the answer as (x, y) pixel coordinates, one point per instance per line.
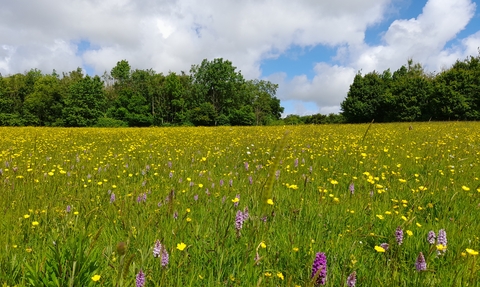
(85, 207)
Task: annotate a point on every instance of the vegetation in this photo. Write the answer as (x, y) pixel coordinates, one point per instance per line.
(410, 94)
(214, 93)
(240, 206)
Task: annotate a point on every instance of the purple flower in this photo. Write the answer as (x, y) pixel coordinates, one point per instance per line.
(112, 197)
(230, 182)
(192, 183)
(195, 197)
(239, 218)
(295, 163)
(221, 182)
(385, 246)
(170, 175)
(245, 213)
(169, 164)
(442, 239)
(351, 187)
(175, 215)
(352, 279)
(399, 235)
(68, 208)
(431, 237)
(277, 174)
(420, 264)
(165, 257)
(159, 250)
(246, 166)
(250, 179)
(319, 269)
(140, 279)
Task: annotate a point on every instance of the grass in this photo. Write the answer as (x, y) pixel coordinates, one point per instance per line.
(85, 207)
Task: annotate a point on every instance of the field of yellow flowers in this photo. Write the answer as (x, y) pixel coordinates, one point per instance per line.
(334, 205)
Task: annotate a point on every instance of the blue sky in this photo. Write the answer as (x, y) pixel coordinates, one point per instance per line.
(311, 49)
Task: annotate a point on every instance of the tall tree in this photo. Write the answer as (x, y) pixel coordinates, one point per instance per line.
(84, 103)
(217, 82)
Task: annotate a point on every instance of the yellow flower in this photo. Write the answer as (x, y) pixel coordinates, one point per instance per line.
(270, 201)
(334, 182)
(280, 275)
(95, 278)
(35, 223)
(26, 216)
(404, 218)
(380, 216)
(200, 185)
(465, 188)
(441, 247)
(471, 251)
(188, 210)
(295, 249)
(200, 276)
(236, 199)
(29, 250)
(268, 274)
(181, 246)
(76, 213)
(402, 180)
(379, 248)
(263, 245)
(409, 232)
(189, 219)
(418, 224)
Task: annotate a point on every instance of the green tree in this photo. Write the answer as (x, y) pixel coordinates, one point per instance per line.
(84, 103)
(217, 82)
(203, 115)
(44, 105)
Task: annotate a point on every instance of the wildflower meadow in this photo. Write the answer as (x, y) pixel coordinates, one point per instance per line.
(324, 205)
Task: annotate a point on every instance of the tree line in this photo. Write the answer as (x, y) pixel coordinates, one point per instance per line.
(411, 94)
(213, 93)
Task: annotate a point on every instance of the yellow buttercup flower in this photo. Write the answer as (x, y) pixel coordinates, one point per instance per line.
(441, 247)
(280, 275)
(270, 201)
(465, 188)
(235, 200)
(95, 278)
(471, 251)
(181, 246)
(379, 248)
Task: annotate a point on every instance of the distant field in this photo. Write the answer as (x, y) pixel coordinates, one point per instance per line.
(70, 196)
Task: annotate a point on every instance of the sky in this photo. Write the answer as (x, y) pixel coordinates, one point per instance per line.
(311, 48)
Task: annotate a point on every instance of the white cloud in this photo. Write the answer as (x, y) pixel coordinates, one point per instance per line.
(422, 39)
(174, 34)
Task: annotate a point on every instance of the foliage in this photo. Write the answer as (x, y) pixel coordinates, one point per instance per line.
(412, 95)
(86, 206)
(139, 98)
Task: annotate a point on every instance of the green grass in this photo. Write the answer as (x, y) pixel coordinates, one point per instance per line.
(420, 179)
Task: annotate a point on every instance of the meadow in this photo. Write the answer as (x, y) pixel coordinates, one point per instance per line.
(241, 206)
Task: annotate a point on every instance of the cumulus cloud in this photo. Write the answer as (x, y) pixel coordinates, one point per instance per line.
(171, 35)
(422, 39)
